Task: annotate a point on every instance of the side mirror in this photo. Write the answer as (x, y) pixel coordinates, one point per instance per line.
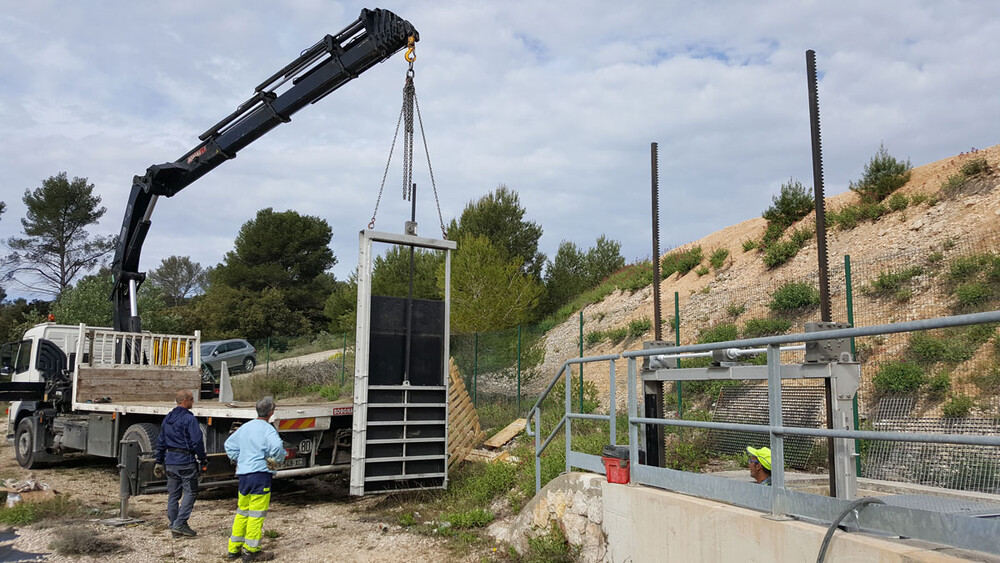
(215, 352)
(6, 370)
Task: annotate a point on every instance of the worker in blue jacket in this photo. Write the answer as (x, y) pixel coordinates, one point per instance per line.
(180, 455)
(257, 449)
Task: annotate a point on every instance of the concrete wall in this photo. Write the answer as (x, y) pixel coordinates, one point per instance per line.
(629, 523)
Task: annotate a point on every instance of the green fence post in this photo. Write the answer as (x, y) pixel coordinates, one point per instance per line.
(850, 321)
(581, 355)
(677, 341)
(519, 370)
(475, 372)
(267, 357)
(343, 360)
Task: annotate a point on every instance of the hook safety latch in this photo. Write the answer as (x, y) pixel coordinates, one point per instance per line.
(411, 50)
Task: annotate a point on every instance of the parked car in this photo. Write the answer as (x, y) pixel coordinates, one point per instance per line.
(238, 354)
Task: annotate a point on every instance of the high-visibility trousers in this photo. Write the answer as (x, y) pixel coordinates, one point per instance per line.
(248, 525)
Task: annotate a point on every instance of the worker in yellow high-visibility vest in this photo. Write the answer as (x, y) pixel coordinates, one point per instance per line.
(256, 448)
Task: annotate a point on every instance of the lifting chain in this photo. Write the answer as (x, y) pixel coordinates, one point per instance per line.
(410, 104)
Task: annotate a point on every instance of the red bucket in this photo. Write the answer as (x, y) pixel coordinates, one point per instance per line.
(616, 469)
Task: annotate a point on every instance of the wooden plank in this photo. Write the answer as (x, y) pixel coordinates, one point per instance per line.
(464, 431)
(507, 434)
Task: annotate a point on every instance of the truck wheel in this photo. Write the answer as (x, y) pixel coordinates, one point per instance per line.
(206, 374)
(24, 443)
(144, 433)
(248, 364)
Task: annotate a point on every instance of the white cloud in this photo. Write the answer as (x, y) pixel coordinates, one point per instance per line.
(557, 100)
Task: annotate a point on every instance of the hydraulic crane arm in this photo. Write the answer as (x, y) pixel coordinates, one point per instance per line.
(321, 69)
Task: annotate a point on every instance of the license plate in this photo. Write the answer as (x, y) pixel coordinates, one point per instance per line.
(292, 463)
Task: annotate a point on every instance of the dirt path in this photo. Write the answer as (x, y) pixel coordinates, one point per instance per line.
(315, 519)
(306, 359)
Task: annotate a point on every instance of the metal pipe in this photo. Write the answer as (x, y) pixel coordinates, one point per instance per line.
(133, 303)
(966, 439)
(731, 353)
(873, 330)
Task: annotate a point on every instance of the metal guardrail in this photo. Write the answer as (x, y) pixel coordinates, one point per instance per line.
(981, 534)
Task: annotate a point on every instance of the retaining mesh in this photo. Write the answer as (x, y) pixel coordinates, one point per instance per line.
(951, 466)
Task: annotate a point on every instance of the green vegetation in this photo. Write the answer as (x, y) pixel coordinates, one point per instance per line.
(80, 540)
(793, 203)
(958, 407)
(889, 283)
(794, 296)
(950, 346)
(680, 262)
(701, 270)
(897, 202)
(974, 281)
(756, 328)
(883, 175)
(749, 245)
(718, 257)
(917, 199)
(639, 327)
(849, 216)
(631, 278)
(898, 378)
(975, 166)
(736, 309)
(320, 380)
(939, 385)
(550, 548)
(56, 508)
(970, 169)
(779, 252)
(722, 332)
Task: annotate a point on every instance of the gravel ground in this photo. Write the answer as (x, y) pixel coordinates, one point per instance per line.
(315, 519)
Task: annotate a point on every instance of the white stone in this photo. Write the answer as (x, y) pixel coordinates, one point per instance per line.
(595, 509)
(579, 503)
(574, 526)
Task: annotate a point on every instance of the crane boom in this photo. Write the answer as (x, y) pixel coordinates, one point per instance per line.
(329, 64)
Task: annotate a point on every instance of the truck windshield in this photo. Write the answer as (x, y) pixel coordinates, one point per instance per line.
(15, 357)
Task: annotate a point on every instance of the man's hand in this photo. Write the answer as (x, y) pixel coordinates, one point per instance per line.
(271, 464)
(159, 471)
(204, 466)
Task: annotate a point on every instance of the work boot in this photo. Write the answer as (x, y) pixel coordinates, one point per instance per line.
(183, 530)
(257, 555)
(233, 555)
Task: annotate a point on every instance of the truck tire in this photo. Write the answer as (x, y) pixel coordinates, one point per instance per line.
(24, 443)
(144, 433)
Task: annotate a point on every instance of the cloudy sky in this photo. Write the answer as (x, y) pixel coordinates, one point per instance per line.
(557, 100)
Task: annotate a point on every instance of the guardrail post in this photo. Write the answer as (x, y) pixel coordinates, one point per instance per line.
(775, 421)
(538, 453)
(611, 406)
(633, 412)
(569, 409)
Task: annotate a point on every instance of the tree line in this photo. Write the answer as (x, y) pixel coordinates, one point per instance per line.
(276, 282)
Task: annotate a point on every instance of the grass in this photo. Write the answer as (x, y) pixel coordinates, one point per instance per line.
(794, 296)
(321, 381)
(755, 328)
(949, 346)
(23, 513)
(631, 278)
(781, 251)
(80, 540)
(680, 262)
(850, 216)
(889, 283)
(718, 257)
(305, 345)
(958, 407)
(898, 378)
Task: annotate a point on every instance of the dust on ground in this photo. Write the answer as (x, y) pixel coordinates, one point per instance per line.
(315, 520)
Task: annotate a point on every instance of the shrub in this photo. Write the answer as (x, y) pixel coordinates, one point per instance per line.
(772, 234)
(972, 295)
(756, 328)
(964, 267)
(701, 270)
(638, 327)
(898, 378)
(953, 184)
(749, 245)
(897, 202)
(888, 283)
(794, 295)
(722, 332)
(950, 346)
(883, 175)
(939, 385)
(616, 335)
(794, 203)
(682, 262)
(79, 540)
(736, 309)
(593, 337)
(780, 252)
(917, 199)
(718, 257)
(958, 407)
(975, 166)
(988, 382)
(551, 547)
(475, 518)
(848, 217)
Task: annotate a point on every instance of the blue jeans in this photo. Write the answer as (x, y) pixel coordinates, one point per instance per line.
(181, 479)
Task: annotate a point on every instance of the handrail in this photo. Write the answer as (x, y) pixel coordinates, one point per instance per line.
(873, 330)
(956, 530)
(555, 380)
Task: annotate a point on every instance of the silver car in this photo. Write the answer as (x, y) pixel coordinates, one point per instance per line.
(238, 354)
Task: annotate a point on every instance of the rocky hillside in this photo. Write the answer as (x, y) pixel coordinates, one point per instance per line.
(935, 222)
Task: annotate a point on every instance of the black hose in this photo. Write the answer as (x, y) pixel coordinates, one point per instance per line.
(836, 523)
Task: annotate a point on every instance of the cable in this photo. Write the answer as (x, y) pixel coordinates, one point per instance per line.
(861, 502)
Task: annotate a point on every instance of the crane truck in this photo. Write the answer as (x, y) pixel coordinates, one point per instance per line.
(101, 391)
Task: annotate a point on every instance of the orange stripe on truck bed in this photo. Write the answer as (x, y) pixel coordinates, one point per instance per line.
(296, 423)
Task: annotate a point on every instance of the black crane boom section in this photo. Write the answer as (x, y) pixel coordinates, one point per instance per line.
(329, 64)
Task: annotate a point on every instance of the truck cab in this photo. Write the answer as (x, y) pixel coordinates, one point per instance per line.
(44, 355)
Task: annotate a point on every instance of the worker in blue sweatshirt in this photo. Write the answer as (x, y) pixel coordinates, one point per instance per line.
(180, 455)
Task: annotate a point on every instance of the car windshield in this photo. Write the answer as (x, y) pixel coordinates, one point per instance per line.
(206, 349)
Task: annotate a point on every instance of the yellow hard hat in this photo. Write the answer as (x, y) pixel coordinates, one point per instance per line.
(763, 456)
